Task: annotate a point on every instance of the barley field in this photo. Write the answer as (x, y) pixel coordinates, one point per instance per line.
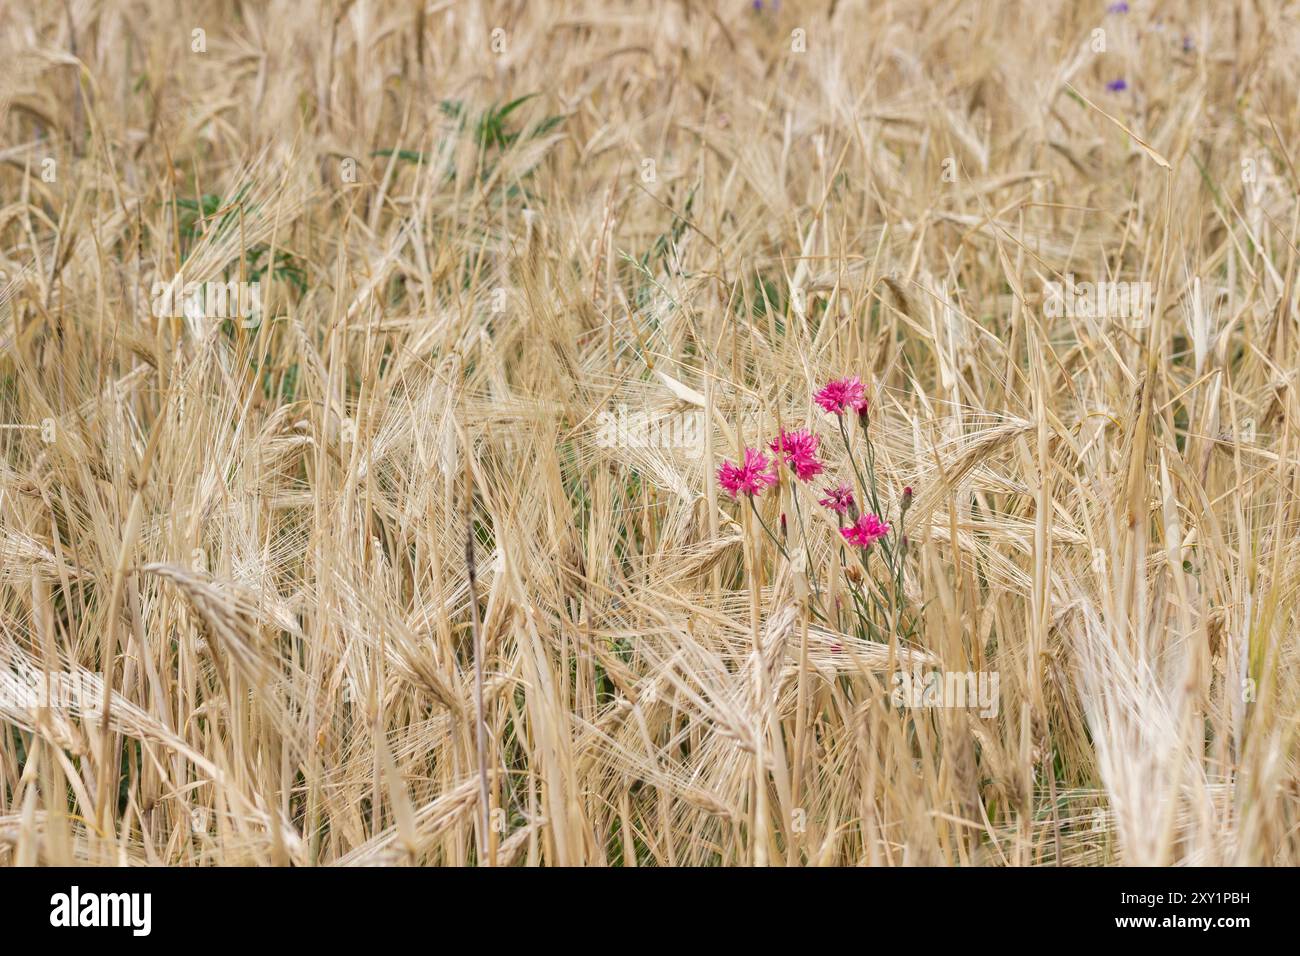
(442, 432)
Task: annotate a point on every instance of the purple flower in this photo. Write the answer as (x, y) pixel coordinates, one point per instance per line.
(1117, 86)
(1120, 7)
(839, 499)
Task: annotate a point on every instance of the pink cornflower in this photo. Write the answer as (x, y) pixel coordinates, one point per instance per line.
(798, 449)
(839, 499)
(865, 531)
(750, 477)
(843, 393)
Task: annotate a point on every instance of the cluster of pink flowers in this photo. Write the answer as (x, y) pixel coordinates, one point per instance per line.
(797, 449)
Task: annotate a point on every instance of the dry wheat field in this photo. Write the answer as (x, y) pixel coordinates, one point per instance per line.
(444, 432)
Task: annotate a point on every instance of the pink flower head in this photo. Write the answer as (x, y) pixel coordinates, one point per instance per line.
(843, 393)
(839, 499)
(866, 530)
(798, 449)
(749, 478)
